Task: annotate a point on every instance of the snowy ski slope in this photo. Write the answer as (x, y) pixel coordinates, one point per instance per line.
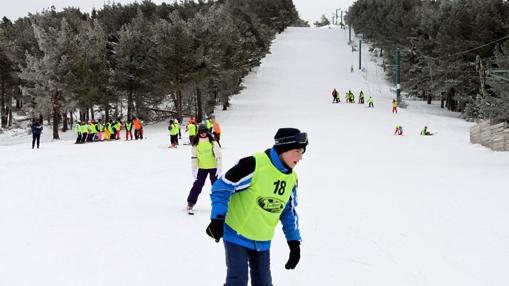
(375, 209)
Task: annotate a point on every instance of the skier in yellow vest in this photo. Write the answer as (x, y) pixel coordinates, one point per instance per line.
(247, 203)
(173, 129)
(206, 159)
(84, 131)
(191, 129)
(371, 102)
(77, 129)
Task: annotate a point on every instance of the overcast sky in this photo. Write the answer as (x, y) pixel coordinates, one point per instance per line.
(309, 10)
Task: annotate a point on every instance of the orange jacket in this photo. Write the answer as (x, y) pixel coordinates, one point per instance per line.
(217, 127)
(137, 124)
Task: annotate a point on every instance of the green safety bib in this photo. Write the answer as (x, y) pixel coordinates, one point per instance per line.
(191, 129)
(255, 212)
(84, 128)
(174, 130)
(205, 154)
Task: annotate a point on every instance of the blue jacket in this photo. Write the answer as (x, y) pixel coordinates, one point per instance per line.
(36, 129)
(238, 179)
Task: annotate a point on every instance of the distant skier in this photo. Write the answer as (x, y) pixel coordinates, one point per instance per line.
(109, 133)
(36, 133)
(361, 97)
(398, 130)
(100, 130)
(128, 130)
(92, 131)
(191, 129)
(77, 129)
(350, 97)
(216, 128)
(174, 133)
(206, 160)
(118, 128)
(425, 131)
(138, 128)
(394, 106)
(371, 102)
(247, 203)
(180, 133)
(335, 96)
(84, 131)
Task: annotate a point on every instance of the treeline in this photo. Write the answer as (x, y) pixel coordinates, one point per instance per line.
(452, 50)
(141, 56)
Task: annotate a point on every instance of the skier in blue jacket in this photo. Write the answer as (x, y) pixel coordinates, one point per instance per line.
(36, 133)
(247, 203)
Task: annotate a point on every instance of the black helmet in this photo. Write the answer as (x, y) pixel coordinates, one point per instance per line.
(202, 128)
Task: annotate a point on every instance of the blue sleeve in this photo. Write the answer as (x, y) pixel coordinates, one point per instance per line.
(220, 196)
(290, 219)
(237, 179)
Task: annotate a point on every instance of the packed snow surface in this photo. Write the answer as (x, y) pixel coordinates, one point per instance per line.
(374, 208)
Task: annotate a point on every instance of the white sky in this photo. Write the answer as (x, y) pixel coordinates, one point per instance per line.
(308, 10)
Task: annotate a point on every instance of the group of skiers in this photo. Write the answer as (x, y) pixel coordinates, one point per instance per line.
(210, 123)
(96, 131)
(350, 98)
(424, 131)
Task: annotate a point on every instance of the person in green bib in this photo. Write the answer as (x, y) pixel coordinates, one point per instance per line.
(206, 160)
(191, 129)
(84, 131)
(77, 129)
(100, 130)
(173, 129)
(128, 130)
(249, 200)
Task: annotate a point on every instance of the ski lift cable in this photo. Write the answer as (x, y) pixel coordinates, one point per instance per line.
(467, 51)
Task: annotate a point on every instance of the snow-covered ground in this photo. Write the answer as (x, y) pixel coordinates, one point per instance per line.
(375, 209)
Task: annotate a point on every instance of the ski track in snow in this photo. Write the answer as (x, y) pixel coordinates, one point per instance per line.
(375, 209)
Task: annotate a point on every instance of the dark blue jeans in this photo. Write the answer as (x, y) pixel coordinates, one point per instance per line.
(237, 260)
(201, 177)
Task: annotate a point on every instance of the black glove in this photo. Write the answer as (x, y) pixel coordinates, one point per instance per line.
(216, 228)
(294, 254)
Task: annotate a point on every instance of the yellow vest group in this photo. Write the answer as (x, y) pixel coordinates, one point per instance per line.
(254, 213)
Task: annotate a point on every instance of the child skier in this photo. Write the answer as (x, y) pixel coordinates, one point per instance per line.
(398, 130)
(118, 128)
(191, 129)
(36, 133)
(206, 159)
(174, 133)
(371, 102)
(247, 203)
(216, 128)
(425, 131)
(335, 96)
(394, 106)
(77, 129)
(100, 130)
(128, 130)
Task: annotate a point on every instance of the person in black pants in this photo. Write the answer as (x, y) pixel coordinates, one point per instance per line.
(36, 133)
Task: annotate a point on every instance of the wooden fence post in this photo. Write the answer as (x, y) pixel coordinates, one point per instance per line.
(497, 142)
(506, 139)
(475, 134)
(485, 133)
